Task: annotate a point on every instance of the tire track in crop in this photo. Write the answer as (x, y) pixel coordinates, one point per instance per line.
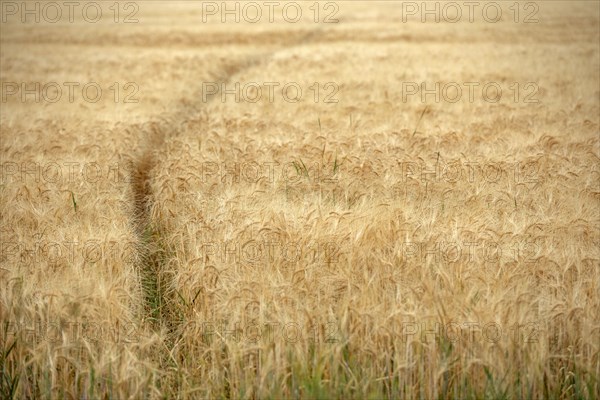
(154, 252)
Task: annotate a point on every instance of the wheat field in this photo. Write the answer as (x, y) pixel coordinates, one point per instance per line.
(345, 199)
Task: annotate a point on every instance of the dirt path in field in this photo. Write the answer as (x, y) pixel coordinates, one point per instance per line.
(154, 255)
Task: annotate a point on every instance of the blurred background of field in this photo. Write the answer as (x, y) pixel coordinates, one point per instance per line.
(147, 308)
